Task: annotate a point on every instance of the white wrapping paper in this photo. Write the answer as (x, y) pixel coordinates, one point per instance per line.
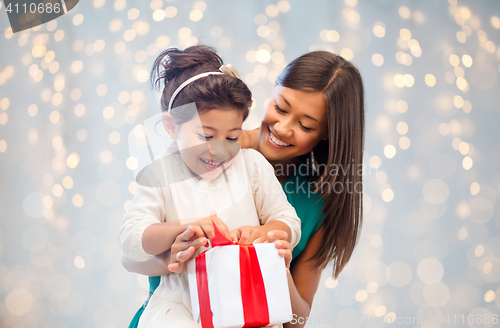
(223, 275)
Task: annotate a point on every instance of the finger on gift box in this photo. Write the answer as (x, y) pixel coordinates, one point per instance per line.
(235, 235)
(192, 232)
(260, 240)
(181, 245)
(244, 237)
(277, 235)
(284, 250)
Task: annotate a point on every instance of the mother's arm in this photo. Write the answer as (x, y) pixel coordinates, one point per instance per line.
(304, 281)
(249, 139)
(153, 267)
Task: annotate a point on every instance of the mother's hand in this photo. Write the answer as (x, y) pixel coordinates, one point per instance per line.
(284, 247)
(184, 247)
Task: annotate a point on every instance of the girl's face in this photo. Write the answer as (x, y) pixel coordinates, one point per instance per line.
(207, 143)
(294, 123)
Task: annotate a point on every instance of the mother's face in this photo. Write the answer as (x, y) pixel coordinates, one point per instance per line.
(294, 123)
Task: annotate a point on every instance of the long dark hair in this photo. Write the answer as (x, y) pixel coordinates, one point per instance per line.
(174, 66)
(342, 86)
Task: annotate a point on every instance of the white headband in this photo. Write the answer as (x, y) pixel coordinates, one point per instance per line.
(228, 70)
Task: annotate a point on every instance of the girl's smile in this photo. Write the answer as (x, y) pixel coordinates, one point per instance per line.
(210, 165)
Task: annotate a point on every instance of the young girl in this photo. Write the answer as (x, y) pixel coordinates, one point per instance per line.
(208, 173)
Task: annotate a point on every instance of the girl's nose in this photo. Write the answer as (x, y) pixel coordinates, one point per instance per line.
(217, 149)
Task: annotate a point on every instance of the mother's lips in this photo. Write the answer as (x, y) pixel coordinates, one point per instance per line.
(277, 140)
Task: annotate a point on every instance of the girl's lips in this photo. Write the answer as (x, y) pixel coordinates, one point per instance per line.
(272, 143)
(209, 167)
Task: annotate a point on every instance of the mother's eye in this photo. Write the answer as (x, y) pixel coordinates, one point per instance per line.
(305, 128)
(279, 109)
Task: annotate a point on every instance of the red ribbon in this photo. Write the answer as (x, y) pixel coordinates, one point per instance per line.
(253, 292)
(203, 296)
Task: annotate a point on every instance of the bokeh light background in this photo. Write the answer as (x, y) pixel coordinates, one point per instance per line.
(72, 89)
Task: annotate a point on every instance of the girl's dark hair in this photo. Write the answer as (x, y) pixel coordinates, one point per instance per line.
(342, 86)
(174, 66)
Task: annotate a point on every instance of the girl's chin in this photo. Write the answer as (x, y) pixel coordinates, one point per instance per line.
(211, 175)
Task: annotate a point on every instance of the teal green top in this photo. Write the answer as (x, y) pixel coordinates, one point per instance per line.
(308, 207)
(154, 282)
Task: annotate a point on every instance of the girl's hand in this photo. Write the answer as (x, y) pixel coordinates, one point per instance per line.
(284, 247)
(205, 227)
(184, 247)
(255, 235)
(249, 235)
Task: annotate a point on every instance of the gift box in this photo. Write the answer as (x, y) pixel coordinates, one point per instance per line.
(235, 285)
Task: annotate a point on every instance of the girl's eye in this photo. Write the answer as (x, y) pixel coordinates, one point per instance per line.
(232, 139)
(279, 109)
(202, 137)
(305, 128)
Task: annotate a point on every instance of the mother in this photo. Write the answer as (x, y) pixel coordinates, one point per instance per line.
(312, 133)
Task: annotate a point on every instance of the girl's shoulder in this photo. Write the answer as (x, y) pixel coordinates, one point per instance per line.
(162, 172)
(256, 164)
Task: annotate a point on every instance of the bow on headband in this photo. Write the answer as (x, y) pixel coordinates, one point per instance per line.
(229, 70)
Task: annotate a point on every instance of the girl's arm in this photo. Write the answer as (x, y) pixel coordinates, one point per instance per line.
(304, 280)
(159, 237)
(144, 223)
(159, 265)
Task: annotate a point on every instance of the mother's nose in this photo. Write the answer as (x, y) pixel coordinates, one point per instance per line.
(283, 128)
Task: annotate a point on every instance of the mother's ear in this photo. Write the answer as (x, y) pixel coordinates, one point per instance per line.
(325, 136)
(169, 124)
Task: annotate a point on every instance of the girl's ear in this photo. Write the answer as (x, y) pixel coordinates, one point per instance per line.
(168, 122)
